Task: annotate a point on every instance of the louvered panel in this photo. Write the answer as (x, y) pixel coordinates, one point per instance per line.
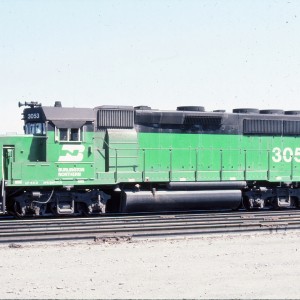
(270, 127)
(204, 121)
(112, 118)
(291, 127)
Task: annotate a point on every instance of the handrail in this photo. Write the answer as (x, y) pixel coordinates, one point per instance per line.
(184, 148)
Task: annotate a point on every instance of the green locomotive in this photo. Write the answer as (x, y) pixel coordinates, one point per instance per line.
(74, 161)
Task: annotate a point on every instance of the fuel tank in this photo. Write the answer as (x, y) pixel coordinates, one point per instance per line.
(169, 200)
(211, 185)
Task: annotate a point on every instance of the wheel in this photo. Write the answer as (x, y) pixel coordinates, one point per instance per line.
(18, 210)
(82, 209)
(247, 203)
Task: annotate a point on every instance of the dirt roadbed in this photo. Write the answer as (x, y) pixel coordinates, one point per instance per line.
(225, 266)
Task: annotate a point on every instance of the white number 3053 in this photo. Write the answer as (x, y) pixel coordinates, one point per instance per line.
(286, 154)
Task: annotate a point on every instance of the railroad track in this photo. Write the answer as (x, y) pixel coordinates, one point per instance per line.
(143, 226)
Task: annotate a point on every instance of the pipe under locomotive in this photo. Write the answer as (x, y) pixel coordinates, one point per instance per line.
(122, 159)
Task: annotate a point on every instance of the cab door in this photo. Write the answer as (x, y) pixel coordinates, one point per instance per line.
(6, 173)
(8, 159)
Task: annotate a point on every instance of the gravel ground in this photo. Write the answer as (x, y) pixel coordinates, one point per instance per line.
(232, 266)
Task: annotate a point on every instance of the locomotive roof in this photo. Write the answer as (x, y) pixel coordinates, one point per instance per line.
(240, 121)
(60, 116)
(68, 116)
(68, 113)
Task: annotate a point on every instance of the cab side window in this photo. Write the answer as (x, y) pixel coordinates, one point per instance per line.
(69, 134)
(74, 135)
(63, 134)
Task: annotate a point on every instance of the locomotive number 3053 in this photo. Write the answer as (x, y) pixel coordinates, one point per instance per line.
(287, 154)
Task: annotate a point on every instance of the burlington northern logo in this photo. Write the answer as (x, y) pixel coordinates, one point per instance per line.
(73, 153)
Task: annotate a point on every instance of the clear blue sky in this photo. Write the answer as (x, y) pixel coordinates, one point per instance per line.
(217, 54)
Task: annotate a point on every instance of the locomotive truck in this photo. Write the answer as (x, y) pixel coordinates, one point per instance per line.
(122, 159)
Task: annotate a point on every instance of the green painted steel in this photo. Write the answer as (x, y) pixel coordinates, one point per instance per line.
(44, 161)
(192, 157)
(123, 155)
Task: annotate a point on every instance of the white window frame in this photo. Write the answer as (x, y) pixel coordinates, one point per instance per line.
(80, 132)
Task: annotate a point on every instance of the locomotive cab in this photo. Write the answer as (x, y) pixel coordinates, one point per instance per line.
(49, 170)
(34, 119)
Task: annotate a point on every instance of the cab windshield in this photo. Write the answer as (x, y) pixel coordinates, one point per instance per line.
(35, 128)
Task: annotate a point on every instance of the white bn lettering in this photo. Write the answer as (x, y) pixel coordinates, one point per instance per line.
(74, 153)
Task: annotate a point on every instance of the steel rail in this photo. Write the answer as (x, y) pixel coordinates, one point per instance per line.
(142, 226)
(177, 215)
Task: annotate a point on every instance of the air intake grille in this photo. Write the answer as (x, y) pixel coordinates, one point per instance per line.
(271, 127)
(113, 118)
(291, 127)
(206, 122)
